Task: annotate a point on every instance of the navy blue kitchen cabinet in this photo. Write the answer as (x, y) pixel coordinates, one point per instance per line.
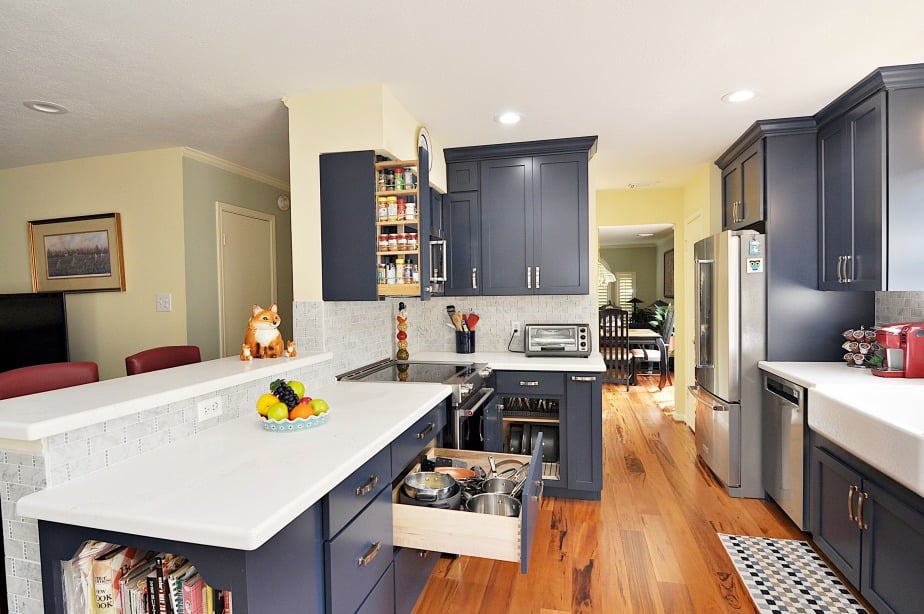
(583, 432)
(742, 190)
(349, 227)
(534, 215)
(870, 156)
(462, 228)
(876, 539)
(436, 214)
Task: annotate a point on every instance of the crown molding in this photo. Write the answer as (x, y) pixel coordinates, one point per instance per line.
(231, 167)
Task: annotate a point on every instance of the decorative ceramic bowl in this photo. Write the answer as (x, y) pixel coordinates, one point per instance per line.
(299, 424)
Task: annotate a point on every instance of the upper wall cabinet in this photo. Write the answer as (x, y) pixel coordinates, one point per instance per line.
(533, 227)
(870, 155)
(742, 190)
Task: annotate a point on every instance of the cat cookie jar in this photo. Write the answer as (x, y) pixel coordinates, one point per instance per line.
(263, 339)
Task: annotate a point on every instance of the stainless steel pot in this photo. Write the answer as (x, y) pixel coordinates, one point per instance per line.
(429, 485)
(495, 504)
(504, 485)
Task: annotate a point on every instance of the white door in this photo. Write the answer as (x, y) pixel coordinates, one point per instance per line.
(246, 270)
(693, 230)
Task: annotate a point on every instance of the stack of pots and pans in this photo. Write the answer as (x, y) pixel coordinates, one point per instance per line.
(499, 496)
(431, 489)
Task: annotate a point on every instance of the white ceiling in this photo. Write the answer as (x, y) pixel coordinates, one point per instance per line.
(628, 236)
(645, 76)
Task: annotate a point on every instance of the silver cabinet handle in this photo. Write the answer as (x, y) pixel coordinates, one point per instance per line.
(366, 488)
(537, 278)
(426, 431)
(529, 277)
(474, 281)
(583, 378)
(529, 383)
(840, 276)
(422, 554)
(370, 555)
(850, 492)
(848, 269)
(861, 497)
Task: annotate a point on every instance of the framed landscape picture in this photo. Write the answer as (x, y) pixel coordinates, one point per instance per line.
(77, 254)
(669, 274)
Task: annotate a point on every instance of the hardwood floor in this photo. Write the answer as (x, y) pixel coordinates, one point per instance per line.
(650, 544)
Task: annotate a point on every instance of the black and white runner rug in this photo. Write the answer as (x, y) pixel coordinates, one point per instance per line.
(787, 576)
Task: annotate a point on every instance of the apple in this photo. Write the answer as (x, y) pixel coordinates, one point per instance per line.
(305, 401)
(278, 412)
(318, 406)
(297, 387)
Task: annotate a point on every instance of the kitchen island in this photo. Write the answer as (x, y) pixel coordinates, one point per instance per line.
(866, 448)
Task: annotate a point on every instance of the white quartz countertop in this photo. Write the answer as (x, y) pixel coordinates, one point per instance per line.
(50, 413)
(237, 485)
(516, 361)
(877, 419)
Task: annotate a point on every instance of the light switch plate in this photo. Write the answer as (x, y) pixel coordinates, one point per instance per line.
(163, 302)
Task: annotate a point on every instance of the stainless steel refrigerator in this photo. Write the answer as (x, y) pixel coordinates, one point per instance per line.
(730, 328)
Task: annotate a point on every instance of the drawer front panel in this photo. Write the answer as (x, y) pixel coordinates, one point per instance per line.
(530, 383)
(463, 532)
(412, 570)
(410, 443)
(359, 555)
(355, 492)
(382, 598)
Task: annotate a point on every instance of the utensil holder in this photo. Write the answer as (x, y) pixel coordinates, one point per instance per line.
(465, 342)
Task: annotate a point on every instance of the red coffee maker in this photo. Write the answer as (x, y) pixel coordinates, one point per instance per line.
(902, 348)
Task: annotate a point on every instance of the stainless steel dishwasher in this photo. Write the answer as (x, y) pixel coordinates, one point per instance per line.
(785, 441)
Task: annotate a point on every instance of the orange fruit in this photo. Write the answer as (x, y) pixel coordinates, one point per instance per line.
(302, 410)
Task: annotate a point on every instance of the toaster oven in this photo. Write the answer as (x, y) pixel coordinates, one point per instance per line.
(557, 340)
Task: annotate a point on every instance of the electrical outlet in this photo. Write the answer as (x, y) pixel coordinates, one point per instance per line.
(163, 302)
(516, 327)
(209, 408)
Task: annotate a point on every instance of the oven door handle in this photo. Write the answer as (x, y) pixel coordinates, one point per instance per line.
(485, 395)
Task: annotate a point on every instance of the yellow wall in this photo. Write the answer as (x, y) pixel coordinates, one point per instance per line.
(670, 206)
(146, 189)
(360, 118)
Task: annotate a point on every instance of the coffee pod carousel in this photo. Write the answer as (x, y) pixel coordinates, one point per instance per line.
(861, 349)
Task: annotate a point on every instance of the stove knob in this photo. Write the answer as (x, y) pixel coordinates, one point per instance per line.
(485, 372)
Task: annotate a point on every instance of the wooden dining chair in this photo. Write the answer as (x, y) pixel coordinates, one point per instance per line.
(42, 378)
(614, 345)
(661, 353)
(164, 357)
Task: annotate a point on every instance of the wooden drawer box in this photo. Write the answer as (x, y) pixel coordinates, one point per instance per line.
(530, 383)
(358, 556)
(471, 534)
(354, 493)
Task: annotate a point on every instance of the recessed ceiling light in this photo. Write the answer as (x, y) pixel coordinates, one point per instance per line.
(44, 107)
(738, 96)
(510, 117)
(645, 234)
(641, 184)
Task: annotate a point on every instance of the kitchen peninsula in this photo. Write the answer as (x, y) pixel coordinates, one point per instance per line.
(234, 498)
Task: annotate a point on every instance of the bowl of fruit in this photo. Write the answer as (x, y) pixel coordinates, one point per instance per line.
(285, 408)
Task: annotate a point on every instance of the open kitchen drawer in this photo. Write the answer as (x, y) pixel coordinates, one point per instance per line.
(472, 534)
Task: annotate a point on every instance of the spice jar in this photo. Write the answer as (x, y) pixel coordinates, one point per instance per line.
(410, 210)
(390, 274)
(389, 179)
(399, 178)
(393, 242)
(380, 181)
(411, 241)
(402, 207)
(409, 272)
(392, 208)
(402, 243)
(381, 205)
(380, 274)
(383, 243)
(399, 270)
(410, 179)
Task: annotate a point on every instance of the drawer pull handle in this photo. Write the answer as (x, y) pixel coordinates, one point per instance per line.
(370, 555)
(540, 485)
(861, 497)
(423, 554)
(366, 488)
(426, 431)
(583, 378)
(850, 493)
(531, 384)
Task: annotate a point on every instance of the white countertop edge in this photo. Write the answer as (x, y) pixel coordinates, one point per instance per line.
(517, 361)
(817, 374)
(42, 415)
(236, 527)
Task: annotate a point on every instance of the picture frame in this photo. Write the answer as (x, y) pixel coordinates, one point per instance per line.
(77, 254)
(669, 274)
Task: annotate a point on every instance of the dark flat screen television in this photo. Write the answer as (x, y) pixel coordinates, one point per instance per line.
(33, 329)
